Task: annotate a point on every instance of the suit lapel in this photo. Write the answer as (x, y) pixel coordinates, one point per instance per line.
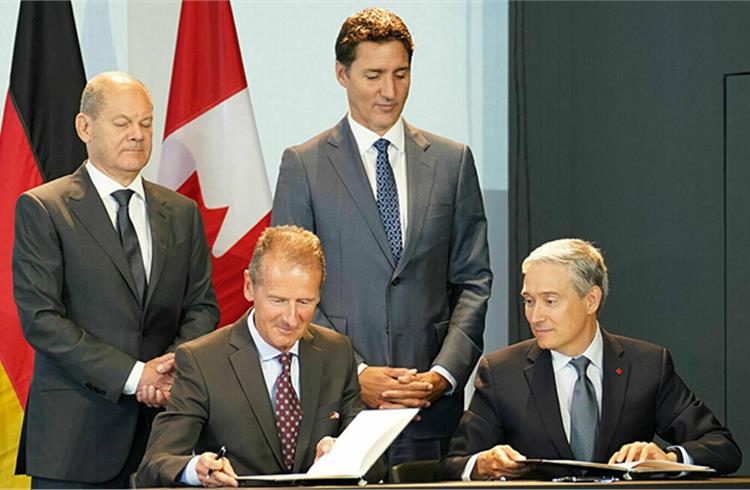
(85, 203)
(311, 375)
(346, 161)
(158, 217)
(616, 374)
(247, 369)
(541, 380)
(420, 170)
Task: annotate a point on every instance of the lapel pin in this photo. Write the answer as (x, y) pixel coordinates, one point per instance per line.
(334, 416)
(618, 371)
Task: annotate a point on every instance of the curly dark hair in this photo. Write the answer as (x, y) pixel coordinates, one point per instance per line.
(371, 24)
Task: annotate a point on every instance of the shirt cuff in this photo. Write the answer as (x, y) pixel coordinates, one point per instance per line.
(466, 475)
(131, 385)
(686, 458)
(448, 376)
(189, 476)
(361, 367)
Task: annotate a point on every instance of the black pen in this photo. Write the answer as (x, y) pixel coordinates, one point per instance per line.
(219, 454)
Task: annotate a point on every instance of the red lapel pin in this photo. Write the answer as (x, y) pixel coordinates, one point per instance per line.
(618, 371)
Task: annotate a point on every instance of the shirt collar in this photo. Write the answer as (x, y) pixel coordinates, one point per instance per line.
(595, 353)
(365, 137)
(106, 185)
(266, 351)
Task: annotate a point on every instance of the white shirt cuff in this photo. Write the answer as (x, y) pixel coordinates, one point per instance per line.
(189, 476)
(686, 458)
(361, 367)
(448, 376)
(466, 475)
(131, 385)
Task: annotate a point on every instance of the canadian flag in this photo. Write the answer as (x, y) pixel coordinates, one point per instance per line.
(211, 150)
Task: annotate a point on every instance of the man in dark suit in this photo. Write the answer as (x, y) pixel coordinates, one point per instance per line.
(542, 398)
(110, 274)
(400, 214)
(230, 385)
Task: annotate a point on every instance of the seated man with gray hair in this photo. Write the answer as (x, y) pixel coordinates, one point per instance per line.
(576, 391)
(271, 390)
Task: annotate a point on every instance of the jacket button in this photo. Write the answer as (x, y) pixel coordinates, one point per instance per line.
(395, 281)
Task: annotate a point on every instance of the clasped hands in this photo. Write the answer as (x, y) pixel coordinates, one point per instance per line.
(504, 461)
(213, 472)
(389, 387)
(156, 381)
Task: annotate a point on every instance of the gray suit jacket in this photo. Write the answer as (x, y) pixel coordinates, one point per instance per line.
(430, 307)
(79, 311)
(219, 399)
(516, 404)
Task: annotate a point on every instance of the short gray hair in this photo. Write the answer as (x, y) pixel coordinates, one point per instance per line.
(583, 260)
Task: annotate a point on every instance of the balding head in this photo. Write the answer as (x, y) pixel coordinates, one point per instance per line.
(94, 95)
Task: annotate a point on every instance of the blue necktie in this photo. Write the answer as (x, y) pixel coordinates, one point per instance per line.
(129, 240)
(584, 412)
(387, 198)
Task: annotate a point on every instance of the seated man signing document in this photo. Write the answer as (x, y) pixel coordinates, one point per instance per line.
(576, 391)
(270, 389)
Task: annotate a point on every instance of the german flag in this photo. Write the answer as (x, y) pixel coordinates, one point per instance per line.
(38, 143)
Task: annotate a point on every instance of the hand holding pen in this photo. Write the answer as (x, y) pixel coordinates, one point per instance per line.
(215, 470)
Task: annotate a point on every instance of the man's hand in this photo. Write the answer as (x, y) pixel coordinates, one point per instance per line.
(640, 451)
(500, 461)
(156, 381)
(214, 472)
(374, 381)
(324, 446)
(419, 391)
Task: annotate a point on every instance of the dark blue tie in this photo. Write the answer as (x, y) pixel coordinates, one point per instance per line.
(129, 240)
(387, 198)
(584, 413)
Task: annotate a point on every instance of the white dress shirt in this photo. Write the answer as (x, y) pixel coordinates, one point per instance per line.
(268, 356)
(138, 211)
(565, 380)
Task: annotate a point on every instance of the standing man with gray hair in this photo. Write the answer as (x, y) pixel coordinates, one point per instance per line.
(576, 391)
(110, 273)
(400, 215)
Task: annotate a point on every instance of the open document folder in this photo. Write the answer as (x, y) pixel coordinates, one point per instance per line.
(626, 471)
(355, 450)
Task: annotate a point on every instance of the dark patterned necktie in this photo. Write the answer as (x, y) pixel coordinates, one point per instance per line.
(288, 411)
(129, 240)
(584, 412)
(387, 198)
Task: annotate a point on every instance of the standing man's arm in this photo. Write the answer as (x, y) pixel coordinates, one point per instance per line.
(469, 277)
(39, 287)
(292, 203)
(200, 313)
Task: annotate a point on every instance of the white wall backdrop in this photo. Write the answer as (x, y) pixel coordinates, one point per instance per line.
(459, 80)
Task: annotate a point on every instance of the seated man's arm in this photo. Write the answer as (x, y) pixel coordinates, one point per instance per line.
(176, 431)
(477, 449)
(683, 420)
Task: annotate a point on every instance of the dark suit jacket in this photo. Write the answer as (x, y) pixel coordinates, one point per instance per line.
(515, 403)
(430, 307)
(79, 311)
(220, 399)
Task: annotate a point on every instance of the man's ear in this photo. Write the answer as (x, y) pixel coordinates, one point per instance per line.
(593, 300)
(342, 74)
(248, 289)
(83, 127)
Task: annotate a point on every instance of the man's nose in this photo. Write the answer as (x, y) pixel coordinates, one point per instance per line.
(388, 87)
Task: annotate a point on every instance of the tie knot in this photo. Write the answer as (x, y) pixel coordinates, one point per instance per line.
(123, 196)
(381, 145)
(285, 359)
(580, 364)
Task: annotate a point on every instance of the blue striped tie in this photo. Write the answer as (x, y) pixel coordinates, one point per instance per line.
(387, 199)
